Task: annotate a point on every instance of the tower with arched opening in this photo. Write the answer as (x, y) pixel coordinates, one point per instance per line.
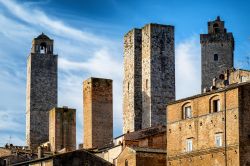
(217, 52)
(41, 90)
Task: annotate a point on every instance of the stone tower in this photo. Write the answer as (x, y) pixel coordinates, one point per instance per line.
(158, 73)
(62, 129)
(217, 52)
(98, 112)
(132, 94)
(149, 76)
(41, 90)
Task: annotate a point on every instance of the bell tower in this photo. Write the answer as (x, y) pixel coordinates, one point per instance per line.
(217, 52)
(41, 90)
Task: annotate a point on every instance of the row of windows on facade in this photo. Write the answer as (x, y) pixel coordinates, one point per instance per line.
(187, 110)
(217, 141)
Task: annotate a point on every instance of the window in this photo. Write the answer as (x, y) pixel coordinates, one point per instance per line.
(218, 139)
(146, 83)
(216, 105)
(243, 79)
(128, 86)
(187, 112)
(216, 57)
(126, 162)
(189, 145)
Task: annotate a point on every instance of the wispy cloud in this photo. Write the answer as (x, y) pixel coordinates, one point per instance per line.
(81, 54)
(188, 75)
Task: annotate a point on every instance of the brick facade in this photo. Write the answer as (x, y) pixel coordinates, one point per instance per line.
(98, 112)
(230, 124)
(62, 129)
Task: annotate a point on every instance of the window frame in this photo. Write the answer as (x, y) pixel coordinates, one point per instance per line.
(220, 142)
(189, 144)
(187, 112)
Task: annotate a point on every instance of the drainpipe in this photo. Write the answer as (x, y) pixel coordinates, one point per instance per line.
(225, 126)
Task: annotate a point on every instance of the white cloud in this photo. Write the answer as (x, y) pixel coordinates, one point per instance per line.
(81, 54)
(188, 75)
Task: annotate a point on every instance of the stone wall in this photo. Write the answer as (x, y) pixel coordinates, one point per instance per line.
(132, 103)
(220, 43)
(41, 95)
(158, 73)
(62, 125)
(98, 112)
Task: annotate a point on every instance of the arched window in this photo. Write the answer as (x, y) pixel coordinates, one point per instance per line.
(126, 162)
(187, 111)
(215, 104)
(43, 48)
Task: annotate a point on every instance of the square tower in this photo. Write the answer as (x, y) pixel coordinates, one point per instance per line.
(132, 94)
(158, 73)
(41, 90)
(217, 52)
(98, 112)
(62, 129)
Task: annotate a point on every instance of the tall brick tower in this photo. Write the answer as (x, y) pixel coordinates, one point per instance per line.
(217, 52)
(158, 73)
(62, 129)
(132, 94)
(41, 90)
(98, 112)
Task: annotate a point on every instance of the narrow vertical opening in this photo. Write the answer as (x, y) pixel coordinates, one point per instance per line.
(216, 57)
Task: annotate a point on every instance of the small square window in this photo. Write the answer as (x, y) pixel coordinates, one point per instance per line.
(189, 145)
(218, 140)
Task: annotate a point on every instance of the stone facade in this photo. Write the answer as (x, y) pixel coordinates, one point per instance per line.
(62, 129)
(158, 73)
(216, 131)
(132, 94)
(217, 52)
(132, 156)
(149, 76)
(41, 90)
(98, 112)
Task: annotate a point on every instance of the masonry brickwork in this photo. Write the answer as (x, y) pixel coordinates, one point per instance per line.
(41, 90)
(98, 112)
(62, 129)
(132, 156)
(218, 133)
(132, 94)
(149, 77)
(217, 52)
(158, 73)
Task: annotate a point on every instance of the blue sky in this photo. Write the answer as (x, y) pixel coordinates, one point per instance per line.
(88, 38)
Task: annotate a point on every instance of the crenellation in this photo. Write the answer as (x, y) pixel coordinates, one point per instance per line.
(217, 52)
